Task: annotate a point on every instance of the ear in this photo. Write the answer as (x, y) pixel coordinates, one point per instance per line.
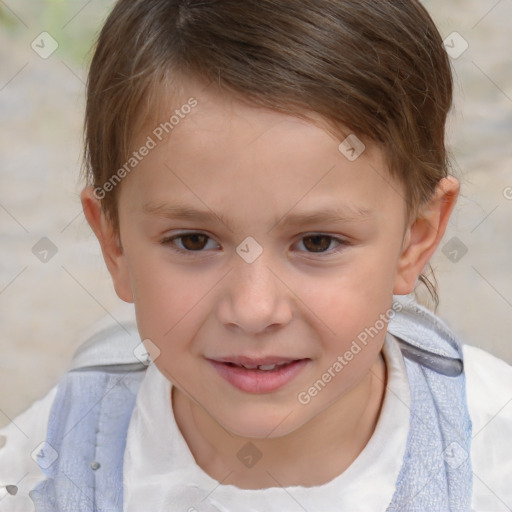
(424, 235)
(110, 244)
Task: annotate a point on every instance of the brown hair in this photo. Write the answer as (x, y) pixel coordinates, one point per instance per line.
(375, 67)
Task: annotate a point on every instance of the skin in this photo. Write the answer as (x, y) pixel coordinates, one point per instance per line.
(254, 167)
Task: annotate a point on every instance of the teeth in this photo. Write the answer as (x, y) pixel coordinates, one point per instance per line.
(266, 366)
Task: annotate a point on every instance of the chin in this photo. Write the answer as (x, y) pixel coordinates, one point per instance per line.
(260, 423)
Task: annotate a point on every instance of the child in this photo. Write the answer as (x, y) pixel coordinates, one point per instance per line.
(268, 181)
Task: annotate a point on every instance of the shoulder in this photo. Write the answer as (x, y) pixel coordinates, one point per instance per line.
(19, 440)
(489, 398)
(106, 346)
(489, 387)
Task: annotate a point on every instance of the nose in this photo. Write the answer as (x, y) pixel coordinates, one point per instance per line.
(254, 299)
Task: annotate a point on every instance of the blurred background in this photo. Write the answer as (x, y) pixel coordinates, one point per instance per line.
(53, 283)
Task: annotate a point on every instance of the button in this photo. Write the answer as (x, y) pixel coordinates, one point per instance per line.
(11, 489)
(95, 465)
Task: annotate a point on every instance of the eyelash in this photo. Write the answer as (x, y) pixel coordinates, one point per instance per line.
(169, 242)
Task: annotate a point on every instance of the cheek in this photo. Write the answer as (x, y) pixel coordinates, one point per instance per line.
(162, 296)
(351, 308)
(352, 294)
(170, 306)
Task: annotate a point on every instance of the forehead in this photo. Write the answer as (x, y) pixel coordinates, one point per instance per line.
(216, 112)
(223, 152)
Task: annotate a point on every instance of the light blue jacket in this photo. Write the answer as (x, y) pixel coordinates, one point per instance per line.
(90, 415)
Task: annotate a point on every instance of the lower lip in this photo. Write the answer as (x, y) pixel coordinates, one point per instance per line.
(259, 381)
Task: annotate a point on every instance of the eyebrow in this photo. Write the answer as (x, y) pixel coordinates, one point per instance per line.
(342, 213)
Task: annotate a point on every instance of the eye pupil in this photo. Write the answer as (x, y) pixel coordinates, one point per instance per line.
(198, 241)
(323, 240)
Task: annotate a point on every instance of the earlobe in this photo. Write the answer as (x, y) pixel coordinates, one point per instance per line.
(424, 235)
(111, 248)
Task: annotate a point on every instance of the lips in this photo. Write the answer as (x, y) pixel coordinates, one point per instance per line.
(263, 363)
(260, 374)
(261, 367)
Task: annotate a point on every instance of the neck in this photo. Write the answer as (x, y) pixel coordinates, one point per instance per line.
(329, 443)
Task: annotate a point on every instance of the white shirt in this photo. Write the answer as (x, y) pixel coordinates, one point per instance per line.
(160, 472)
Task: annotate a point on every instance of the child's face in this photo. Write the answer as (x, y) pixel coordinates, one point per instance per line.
(260, 172)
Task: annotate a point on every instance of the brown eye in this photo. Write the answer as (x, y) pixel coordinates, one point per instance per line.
(194, 242)
(189, 243)
(317, 243)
